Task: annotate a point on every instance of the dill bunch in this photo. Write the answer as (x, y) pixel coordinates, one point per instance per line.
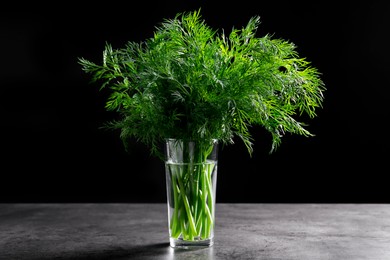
(192, 82)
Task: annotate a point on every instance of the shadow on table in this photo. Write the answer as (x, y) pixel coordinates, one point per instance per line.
(152, 251)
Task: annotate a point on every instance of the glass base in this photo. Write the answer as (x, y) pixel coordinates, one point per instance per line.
(180, 243)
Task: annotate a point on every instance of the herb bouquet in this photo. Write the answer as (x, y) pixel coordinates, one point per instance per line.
(194, 88)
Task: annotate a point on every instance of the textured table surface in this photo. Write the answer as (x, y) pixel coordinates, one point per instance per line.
(243, 231)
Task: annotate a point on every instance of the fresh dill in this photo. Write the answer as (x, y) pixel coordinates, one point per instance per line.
(191, 82)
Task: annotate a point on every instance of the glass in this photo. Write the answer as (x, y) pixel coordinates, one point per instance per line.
(191, 175)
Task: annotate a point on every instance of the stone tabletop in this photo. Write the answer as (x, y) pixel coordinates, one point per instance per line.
(243, 231)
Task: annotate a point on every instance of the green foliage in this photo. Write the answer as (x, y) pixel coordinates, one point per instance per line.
(190, 82)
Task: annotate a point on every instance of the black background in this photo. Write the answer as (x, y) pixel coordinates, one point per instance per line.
(52, 149)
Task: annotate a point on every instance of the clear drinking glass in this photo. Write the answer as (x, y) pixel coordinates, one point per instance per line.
(191, 175)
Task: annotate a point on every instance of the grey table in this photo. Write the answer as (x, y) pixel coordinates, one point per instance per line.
(243, 231)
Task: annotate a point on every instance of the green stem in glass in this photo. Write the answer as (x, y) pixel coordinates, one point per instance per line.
(192, 189)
